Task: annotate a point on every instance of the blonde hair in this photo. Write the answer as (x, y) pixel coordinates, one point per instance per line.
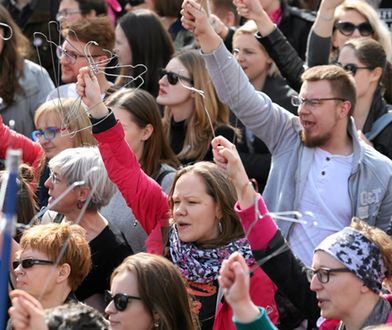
(381, 32)
(199, 134)
(250, 27)
(80, 124)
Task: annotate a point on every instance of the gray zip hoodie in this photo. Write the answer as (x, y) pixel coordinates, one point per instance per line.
(369, 184)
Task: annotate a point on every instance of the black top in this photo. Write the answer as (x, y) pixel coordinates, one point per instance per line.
(108, 250)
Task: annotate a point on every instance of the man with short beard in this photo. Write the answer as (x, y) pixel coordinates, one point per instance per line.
(319, 166)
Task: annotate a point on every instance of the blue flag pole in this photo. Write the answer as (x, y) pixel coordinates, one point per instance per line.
(9, 214)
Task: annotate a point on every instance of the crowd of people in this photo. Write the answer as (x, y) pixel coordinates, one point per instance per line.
(198, 164)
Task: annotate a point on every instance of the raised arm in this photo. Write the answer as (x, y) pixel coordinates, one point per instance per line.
(289, 63)
(319, 42)
(32, 152)
(268, 245)
(269, 122)
(142, 194)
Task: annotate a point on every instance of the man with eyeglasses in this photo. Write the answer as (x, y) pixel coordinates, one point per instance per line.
(319, 166)
(72, 10)
(88, 42)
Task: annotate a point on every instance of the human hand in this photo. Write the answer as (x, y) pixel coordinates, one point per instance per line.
(219, 27)
(228, 160)
(250, 9)
(26, 312)
(235, 280)
(194, 18)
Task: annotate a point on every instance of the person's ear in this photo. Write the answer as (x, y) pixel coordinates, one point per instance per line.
(147, 132)
(64, 271)
(376, 74)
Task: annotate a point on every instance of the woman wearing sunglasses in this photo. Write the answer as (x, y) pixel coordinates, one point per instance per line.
(193, 114)
(51, 262)
(340, 20)
(348, 270)
(366, 60)
(147, 292)
(203, 229)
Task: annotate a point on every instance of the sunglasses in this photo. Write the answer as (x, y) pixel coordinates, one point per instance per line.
(353, 68)
(120, 300)
(348, 28)
(173, 77)
(28, 263)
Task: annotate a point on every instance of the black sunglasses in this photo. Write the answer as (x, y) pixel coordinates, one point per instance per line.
(120, 300)
(28, 263)
(173, 77)
(348, 28)
(353, 68)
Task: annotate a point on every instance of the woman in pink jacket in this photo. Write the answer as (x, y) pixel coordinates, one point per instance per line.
(195, 226)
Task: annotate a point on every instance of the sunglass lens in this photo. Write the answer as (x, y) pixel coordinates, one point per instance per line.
(15, 264)
(172, 78)
(121, 302)
(346, 28)
(351, 68)
(108, 297)
(365, 29)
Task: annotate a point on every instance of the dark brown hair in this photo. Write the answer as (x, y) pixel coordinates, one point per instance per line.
(223, 193)
(150, 45)
(11, 58)
(162, 290)
(144, 110)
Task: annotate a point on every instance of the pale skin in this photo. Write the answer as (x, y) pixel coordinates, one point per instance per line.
(252, 9)
(27, 313)
(235, 281)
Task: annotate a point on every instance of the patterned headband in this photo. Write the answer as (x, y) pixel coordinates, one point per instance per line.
(358, 254)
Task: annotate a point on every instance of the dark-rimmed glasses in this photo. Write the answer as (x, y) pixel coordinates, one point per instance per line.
(173, 77)
(48, 133)
(353, 68)
(28, 263)
(348, 28)
(314, 102)
(323, 273)
(120, 300)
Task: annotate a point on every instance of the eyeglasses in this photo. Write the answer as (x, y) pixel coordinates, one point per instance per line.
(323, 273)
(66, 12)
(28, 263)
(173, 77)
(70, 56)
(121, 300)
(313, 103)
(352, 68)
(348, 28)
(49, 133)
(54, 177)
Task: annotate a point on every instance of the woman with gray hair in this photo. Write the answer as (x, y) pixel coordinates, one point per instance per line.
(83, 170)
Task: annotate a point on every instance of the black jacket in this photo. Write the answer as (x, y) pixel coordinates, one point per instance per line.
(288, 273)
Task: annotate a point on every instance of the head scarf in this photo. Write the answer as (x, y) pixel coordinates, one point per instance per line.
(359, 254)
